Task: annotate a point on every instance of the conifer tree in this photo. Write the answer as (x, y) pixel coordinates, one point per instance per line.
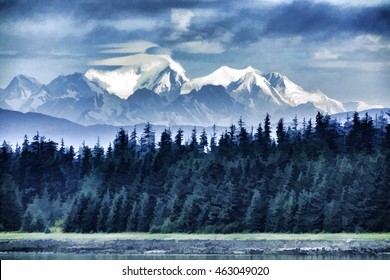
(104, 211)
(194, 141)
(145, 213)
(203, 143)
(133, 141)
(243, 137)
(148, 139)
(280, 132)
(98, 155)
(86, 161)
(255, 214)
(267, 130)
(179, 139)
(10, 206)
(213, 139)
(165, 142)
(259, 135)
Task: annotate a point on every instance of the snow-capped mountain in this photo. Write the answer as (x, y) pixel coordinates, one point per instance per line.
(35, 100)
(19, 92)
(203, 106)
(258, 91)
(360, 106)
(72, 97)
(159, 73)
(246, 86)
(155, 88)
(223, 76)
(75, 86)
(296, 95)
(254, 91)
(76, 98)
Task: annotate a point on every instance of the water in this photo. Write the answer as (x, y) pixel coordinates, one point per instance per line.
(78, 256)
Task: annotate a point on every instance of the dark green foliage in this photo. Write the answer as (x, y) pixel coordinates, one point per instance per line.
(281, 133)
(179, 140)
(213, 139)
(243, 138)
(86, 161)
(194, 141)
(145, 211)
(98, 156)
(10, 207)
(147, 139)
(104, 211)
(5, 157)
(327, 178)
(165, 142)
(256, 213)
(267, 129)
(33, 222)
(203, 143)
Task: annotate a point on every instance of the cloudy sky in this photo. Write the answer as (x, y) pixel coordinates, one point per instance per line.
(339, 47)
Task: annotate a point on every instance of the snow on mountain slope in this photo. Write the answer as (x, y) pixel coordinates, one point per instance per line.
(37, 99)
(263, 92)
(296, 95)
(76, 98)
(159, 73)
(19, 91)
(221, 77)
(74, 86)
(210, 104)
(360, 106)
(155, 88)
(256, 92)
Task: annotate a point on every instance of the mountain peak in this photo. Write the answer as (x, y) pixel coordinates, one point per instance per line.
(251, 69)
(159, 73)
(24, 77)
(150, 86)
(24, 81)
(19, 91)
(74, 85)
(223, 76)
(233, 74)
(296, 95)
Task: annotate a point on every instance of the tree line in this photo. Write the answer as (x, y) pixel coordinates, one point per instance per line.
(319, 176)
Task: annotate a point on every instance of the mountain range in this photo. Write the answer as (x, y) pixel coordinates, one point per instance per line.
(155, 88)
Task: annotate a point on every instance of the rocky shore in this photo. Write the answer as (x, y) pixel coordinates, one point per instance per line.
(198, 247)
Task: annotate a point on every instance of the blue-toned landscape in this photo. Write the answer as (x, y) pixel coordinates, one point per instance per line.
(195, 129)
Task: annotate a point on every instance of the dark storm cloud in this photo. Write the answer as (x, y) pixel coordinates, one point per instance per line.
(244, 23)
(105, 34)
(110, 9)
(312, 21)
(308, 19)
(97, 9)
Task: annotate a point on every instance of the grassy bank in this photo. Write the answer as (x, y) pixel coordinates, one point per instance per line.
(181, 236)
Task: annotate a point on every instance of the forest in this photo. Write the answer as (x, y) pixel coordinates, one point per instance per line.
(309, 176)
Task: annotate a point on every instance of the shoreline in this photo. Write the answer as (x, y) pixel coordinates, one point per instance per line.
(182, 245)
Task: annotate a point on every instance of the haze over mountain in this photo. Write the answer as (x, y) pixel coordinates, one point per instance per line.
(155, 88)
(15, 125)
